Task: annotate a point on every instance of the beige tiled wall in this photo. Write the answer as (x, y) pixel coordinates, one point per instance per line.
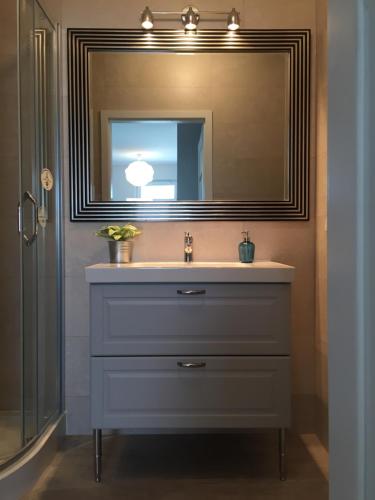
(321, 341)
(10, 347)
(289, 242)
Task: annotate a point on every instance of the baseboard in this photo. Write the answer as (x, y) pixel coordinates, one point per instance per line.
(317, 451)
(322, 422)
(21, 475)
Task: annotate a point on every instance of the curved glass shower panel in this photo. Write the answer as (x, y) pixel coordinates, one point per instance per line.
(30, 272)
(41, 223)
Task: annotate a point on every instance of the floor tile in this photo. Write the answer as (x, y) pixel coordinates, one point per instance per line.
(181, 467)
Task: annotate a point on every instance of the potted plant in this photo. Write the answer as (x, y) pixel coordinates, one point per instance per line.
(120, 242)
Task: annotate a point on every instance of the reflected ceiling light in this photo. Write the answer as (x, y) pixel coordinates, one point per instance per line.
(147, 19)
(190, 18)
(139, 173)
(128, 154)
(233, 21)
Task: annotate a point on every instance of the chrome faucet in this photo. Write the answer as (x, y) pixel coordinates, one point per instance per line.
(188, 247)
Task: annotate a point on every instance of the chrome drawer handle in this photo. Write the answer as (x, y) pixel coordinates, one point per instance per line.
(191, 292)
(191, 365)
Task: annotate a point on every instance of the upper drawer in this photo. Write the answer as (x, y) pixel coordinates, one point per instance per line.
(165, 319)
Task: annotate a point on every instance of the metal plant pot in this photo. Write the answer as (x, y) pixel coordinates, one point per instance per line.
(120, 252)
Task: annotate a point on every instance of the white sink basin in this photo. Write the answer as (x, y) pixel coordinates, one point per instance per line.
(190, 272)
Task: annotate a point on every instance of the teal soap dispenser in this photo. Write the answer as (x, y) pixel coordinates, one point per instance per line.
(246, 248)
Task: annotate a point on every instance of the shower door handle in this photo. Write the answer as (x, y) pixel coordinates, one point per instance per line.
(29, 239)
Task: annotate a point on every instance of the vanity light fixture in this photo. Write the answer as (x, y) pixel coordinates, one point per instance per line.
(190, 17)
(147, 19)
(233, 21)
(139, 173)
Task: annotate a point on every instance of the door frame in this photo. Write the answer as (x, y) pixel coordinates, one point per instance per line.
(351, 244)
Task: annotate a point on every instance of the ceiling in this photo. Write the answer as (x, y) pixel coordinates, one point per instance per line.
(152, 141)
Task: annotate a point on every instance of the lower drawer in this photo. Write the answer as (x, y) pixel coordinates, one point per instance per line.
(190, 392)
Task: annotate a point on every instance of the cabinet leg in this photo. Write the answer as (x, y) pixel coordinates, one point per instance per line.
(282, 454)
(98, 454)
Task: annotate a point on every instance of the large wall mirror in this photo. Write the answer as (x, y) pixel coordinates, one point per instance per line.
(175, 126)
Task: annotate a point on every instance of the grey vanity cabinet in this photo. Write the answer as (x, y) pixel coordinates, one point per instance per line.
(190, 357)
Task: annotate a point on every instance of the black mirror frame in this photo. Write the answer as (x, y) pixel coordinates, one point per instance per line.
(294, 42)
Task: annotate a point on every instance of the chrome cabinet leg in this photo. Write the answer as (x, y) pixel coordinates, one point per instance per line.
(98, 454)
(282, 454)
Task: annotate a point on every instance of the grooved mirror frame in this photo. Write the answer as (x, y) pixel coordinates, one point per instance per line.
(296, 43)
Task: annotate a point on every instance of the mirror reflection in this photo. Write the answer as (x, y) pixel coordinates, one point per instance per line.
(153, 160)
(197, 126)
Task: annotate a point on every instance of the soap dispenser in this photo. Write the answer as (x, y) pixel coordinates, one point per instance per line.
(246, 248)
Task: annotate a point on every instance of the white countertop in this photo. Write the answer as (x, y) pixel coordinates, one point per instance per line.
(190, 272)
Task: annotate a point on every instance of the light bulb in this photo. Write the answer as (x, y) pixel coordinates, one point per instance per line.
(147, 19)
(190, 19)
(139, 173)
(233, 21)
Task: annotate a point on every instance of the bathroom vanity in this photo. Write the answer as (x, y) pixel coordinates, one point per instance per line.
(190, 347)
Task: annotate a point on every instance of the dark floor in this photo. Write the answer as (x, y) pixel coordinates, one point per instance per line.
(184, 467)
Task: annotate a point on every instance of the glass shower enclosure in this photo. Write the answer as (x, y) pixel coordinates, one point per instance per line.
(32, 398)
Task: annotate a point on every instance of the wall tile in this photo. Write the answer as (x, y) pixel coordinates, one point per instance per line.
(77, 415)
(289, 242)
(82, 247)
(77, 366)
(8, 24)
(276, 14)
(76, 307)
(53, 9)
(303, 363)
(120, 14)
